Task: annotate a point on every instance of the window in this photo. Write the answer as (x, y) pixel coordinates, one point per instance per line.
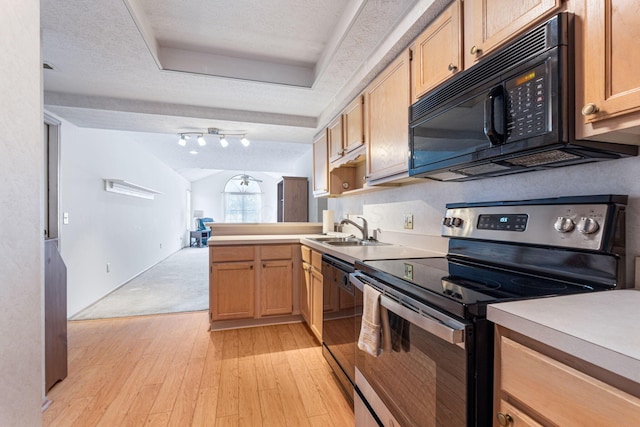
(243, 199)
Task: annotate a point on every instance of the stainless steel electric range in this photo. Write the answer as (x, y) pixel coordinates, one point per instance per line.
(439, 367)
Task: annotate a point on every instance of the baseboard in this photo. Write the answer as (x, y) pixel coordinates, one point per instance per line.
(221, 325)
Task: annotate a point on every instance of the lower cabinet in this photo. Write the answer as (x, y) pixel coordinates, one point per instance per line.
(311, 293)
(253, 281)
(232, 289)
(536, 385)
(276, 287)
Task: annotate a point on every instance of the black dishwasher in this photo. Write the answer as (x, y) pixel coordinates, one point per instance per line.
(341, 320)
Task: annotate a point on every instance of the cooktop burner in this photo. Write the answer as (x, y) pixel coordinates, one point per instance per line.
(460, 288)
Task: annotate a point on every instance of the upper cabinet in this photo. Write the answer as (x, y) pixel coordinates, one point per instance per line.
(438, 51)
(387, 101)
(353, 125)
(334, 139)
(320, 166)
(488, 23)
(611, 82)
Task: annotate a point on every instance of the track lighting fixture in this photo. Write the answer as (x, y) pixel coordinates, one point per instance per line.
(184, 136)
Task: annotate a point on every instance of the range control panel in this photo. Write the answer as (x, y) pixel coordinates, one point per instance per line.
(571, 226)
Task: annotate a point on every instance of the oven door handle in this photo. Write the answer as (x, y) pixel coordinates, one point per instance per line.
(426, 318)
(450, 330)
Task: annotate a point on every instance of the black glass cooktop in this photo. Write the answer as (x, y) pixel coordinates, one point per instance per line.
(463, 288)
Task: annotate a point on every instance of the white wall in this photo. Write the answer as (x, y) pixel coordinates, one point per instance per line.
(429, 197)
(129, 233)
(21, 243)
(206, 193)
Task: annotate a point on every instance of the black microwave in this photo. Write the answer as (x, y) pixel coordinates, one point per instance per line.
(512, 112)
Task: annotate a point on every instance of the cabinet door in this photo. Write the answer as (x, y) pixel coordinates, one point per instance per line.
(437, 52)
(276, 287)
(334, 138)
(231, 290)
(490, 22)
(305, 292)
(316, 304)
(612, 83)
(353, 125)
(387, 102)
(320, 166)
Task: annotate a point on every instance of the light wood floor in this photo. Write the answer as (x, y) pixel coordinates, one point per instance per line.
(169, 370)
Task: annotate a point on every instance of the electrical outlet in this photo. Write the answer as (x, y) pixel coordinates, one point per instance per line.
(408, 271)
(160, 245)
(108, 267)
(408, 221)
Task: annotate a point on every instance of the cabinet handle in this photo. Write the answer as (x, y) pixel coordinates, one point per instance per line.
(590, 109)
(452, 67)
(475, 50)
(504, 419)
(251, 267)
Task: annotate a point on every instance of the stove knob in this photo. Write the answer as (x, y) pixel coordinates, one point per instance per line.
(563, 224)
(456, 222)
(446, 222)
(588, 225)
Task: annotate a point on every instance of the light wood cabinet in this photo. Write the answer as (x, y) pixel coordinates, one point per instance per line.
(253, 281)
(387, 101)
(232, 289)
(320, 166)
(534, 387)
(311, 298)
(353, 125)
(316, 303)
(293, 200)
(276, 287)
(334, 139)
(489, 23)
(611, 81)
(438, 51)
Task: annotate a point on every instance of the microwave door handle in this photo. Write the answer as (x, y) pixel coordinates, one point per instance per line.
(495, 95)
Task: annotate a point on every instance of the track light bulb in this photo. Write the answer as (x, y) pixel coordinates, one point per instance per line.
(245, 141)
(202, 141)
(182, 141)
(224, 142)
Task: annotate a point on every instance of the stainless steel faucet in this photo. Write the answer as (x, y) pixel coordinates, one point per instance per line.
(364, 229)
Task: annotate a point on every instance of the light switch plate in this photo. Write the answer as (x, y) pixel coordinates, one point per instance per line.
(408, 221)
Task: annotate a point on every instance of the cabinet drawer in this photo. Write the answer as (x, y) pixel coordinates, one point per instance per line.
(231, 253)
(275, 252)
(316, 260)
(306, 254)
(561, 394)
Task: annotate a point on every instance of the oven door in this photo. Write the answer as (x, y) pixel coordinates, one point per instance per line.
(426, 378)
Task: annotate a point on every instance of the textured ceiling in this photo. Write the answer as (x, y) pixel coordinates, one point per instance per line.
(162, 67)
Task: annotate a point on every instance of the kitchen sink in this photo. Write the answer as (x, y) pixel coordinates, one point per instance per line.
(357, 242)
(347, 241)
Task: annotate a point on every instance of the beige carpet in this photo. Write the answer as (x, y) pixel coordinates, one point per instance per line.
(179, 283)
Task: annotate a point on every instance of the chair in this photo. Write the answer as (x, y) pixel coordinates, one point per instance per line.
(202, 234)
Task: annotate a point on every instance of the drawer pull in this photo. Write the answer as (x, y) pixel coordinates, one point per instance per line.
(504, 419)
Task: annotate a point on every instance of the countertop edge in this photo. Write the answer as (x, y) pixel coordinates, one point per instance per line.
(613, 361)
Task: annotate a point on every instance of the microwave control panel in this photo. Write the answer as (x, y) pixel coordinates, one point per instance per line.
(526, 104)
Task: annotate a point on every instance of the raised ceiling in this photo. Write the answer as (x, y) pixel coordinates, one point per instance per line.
(278, 69)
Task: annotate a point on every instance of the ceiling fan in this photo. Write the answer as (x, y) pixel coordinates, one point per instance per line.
(245, 179)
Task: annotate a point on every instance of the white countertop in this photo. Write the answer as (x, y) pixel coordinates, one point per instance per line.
(346, 253)
(602, 328)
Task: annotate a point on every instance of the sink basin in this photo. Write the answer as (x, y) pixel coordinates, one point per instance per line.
(347, 241)
(357, 242)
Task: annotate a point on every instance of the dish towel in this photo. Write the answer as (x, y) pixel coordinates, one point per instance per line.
(370, 331)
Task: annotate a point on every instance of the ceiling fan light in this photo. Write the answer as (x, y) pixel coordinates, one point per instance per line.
(193, 152)
(201, 141)
(182, 141)
(245, 141)
(224, 142)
